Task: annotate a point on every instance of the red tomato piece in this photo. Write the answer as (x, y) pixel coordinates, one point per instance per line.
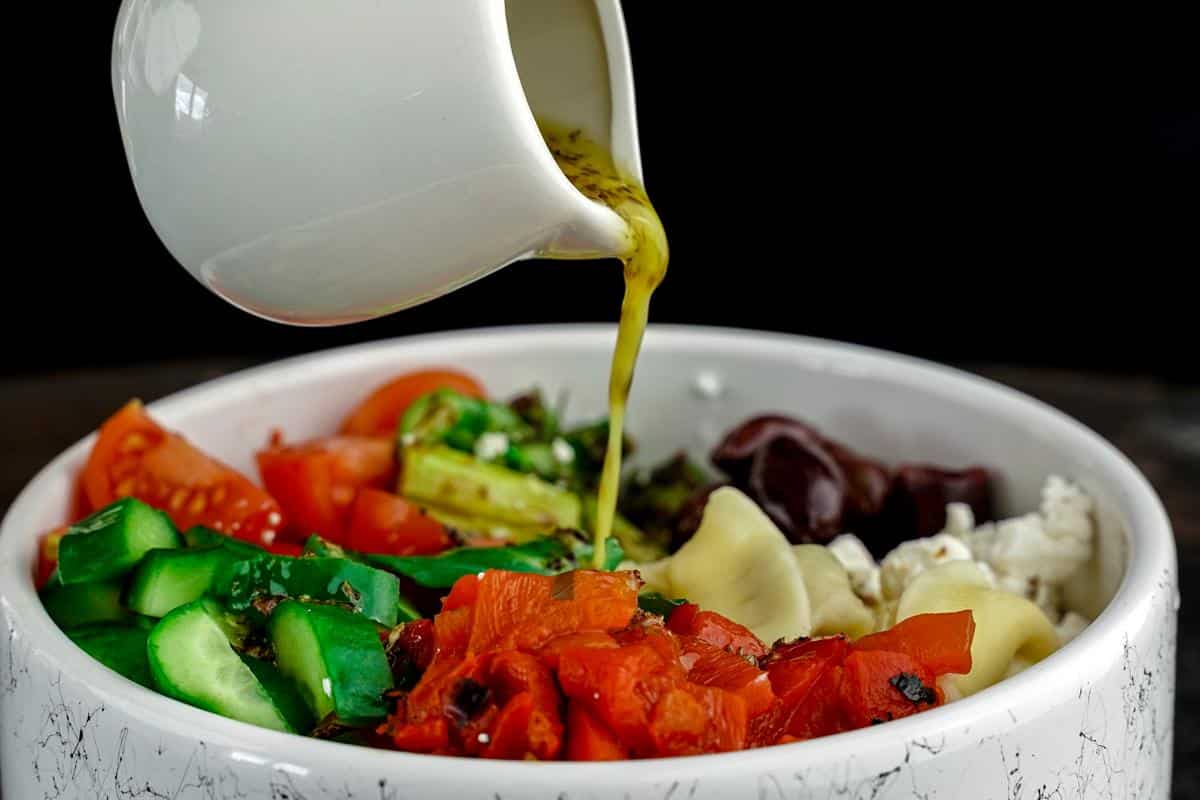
(589, 739)
(820, 713)
(430, 720)
(464, 592)
(452, 632)
(380, 412)
(316, 481)
(709, 665)
(135, 457)
(519, 611)
(940, 642)
(381, 522)
(529, 722)
(619, 687)
(805, 676)
(879, 686)
(550, 651)
(692, 719)
(722, 632)
(655, 636)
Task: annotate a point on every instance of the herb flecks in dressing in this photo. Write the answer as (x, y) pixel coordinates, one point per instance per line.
(591, 169)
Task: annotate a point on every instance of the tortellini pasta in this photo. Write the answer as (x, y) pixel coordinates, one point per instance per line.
(1008, 629)
(834, 606)
(740, 564)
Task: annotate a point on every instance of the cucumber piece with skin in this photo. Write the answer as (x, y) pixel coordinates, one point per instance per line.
(78, 604)
(110, 542)
(192, 659)
(121, 648)
(372, 592)
(287, 698)
(334, 657)
(167, 579)
(461, 484)
(200, 536)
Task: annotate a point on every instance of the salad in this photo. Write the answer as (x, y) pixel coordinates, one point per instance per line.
(424, 579)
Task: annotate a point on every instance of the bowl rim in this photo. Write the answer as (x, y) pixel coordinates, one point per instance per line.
(1152, 555)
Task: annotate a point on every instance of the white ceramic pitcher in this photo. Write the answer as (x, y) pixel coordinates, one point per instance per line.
(326, 161)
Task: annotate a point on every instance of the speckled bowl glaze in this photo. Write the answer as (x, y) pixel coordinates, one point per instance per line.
(1093, 720)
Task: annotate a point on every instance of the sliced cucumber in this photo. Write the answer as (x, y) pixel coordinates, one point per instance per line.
(112, 541)
(464, 485)
(287, 698)
(83, 603)
(334, 657)
(372, 592)
(121, 648)
(192, 660)
(167, 579)
(200, 536)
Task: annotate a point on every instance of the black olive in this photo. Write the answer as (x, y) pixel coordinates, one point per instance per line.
(784, 466)
(916, 503)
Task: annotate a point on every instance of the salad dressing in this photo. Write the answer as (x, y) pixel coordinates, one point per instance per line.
(591, 169)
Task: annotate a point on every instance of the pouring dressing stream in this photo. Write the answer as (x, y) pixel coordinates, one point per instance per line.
(593, 173)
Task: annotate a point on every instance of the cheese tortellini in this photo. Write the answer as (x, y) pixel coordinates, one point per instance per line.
(1008, 628)
(834, 606)
(740, 564)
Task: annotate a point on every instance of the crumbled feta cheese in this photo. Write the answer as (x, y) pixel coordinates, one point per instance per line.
(1048, 546)
(858, 562)
(960, 519)
(910, 559)
(1068, 512)
(562, 451)
(1071, 626)
(1031, 555)
(490, 446)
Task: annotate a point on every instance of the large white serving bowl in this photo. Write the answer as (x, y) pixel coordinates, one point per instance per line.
(1093, 720)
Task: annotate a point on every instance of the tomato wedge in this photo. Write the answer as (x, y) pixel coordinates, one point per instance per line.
(381, 522)
(316, 481)
(379, 413)
(135, 456)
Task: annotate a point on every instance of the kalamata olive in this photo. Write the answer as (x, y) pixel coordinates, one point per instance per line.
(815, 488)
(867, 482)
(799, 486)
(916, 503)
(735, 452)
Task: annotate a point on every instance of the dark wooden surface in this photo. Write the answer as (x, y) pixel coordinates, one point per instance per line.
(1156, 425)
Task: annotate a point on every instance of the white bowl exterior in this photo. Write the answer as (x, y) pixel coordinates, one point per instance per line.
(1094, 720)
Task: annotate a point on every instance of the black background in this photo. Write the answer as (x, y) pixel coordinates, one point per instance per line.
(944, 196)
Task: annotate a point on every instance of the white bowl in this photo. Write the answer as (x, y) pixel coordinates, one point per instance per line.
(1093, 720)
